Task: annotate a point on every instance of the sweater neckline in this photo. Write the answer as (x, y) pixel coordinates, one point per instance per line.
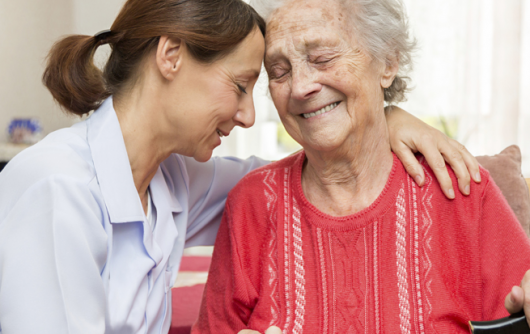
(385, 200)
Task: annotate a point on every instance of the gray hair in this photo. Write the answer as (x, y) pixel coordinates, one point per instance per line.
(383, 29)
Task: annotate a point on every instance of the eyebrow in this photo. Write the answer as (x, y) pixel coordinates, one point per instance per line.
(315, 43)
(308, 44)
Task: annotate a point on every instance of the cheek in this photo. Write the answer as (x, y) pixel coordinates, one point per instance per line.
(225, 101)
(280, 96)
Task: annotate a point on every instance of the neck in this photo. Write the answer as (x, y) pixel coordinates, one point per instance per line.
(146, 146)
(348, 179)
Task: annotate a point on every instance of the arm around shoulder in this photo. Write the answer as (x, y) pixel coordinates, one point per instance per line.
(209, 184)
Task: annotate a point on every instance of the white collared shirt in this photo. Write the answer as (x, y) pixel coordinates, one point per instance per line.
(77, 254)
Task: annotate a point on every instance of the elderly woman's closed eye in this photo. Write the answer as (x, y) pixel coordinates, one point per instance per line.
(338, 238)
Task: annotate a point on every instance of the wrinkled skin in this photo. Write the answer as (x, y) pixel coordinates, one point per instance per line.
(313, 62)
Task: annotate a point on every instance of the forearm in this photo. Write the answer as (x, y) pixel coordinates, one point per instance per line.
(225, 305)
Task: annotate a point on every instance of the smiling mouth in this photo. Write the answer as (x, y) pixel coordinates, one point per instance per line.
(221, 135)
(321, 111)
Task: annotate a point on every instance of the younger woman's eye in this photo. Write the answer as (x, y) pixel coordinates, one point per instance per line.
(241, 88)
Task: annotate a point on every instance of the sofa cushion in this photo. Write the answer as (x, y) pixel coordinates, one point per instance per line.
(505, 169)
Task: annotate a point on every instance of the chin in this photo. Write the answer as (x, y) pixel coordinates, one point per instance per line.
(323, 143)
(203, 157)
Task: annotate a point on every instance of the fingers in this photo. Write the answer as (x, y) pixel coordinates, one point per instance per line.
(519, 298)
(410, 162)
(273, 330)
(470, 161)
(407, 134)
(270, 330)
(431, 152)
(454, 158)
(514, 300)
(525, 285)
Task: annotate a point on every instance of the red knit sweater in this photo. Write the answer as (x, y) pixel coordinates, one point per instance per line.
(412, 262)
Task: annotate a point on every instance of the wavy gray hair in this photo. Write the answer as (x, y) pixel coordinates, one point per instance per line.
(383, 29)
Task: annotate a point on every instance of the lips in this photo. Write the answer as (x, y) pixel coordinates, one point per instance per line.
(322, 110)
(221, 133)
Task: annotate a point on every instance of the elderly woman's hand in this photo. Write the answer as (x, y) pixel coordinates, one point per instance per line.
(271, 330)
(519, 298)
(409, 135)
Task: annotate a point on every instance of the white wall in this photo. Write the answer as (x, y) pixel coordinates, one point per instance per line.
(28, 29)
(91, 17)
(94, 15)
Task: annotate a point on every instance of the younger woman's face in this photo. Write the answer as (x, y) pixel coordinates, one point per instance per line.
(212, 99)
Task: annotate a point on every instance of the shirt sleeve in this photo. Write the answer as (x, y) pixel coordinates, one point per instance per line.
(229, 295)
(52, 250)
(505, 251)
(209, 184)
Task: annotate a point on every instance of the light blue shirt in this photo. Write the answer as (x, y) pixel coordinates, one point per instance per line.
(77, 254)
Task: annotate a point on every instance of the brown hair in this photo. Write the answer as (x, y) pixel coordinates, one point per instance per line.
(211, 29)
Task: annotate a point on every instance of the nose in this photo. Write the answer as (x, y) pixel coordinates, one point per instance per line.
(303, 83)
(246, 115)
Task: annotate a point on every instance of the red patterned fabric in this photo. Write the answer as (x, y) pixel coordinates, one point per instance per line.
(412, 262)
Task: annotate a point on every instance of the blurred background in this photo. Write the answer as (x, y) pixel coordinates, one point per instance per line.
(471, 75)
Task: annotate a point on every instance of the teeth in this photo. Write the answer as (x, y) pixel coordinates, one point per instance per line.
(321, 111)
(220, 133)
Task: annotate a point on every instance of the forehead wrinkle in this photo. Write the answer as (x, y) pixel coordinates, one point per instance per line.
(280, 23)
(303, 35)
(294, 31)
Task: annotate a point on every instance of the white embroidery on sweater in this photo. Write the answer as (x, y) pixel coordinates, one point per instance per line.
(325, 310)
(287, 253)
(416, 257)
(376, 279)
(334, 305)
(366, 281)
(272, 265)
(401, 255)
(427, 237)
(299, 270)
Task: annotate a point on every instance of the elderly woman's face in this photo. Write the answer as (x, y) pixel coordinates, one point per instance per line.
(325, 86)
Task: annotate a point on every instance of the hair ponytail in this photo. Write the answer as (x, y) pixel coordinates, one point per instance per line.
(211, 29)
(71, 76)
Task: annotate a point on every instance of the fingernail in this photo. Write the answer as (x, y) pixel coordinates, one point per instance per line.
(418, 179)
(467, 190)
(477, 177)
(451, 193)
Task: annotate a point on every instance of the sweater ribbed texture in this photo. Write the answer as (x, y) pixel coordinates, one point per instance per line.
(412, 262)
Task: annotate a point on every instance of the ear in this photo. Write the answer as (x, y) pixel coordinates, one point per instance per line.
(390, 70)
(169, 56)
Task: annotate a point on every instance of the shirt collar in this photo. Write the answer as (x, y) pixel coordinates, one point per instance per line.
(113, 169)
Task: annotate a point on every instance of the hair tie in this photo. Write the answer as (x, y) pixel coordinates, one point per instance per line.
(101, 36)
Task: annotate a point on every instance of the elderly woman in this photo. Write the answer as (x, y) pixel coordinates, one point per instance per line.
(338, 238)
